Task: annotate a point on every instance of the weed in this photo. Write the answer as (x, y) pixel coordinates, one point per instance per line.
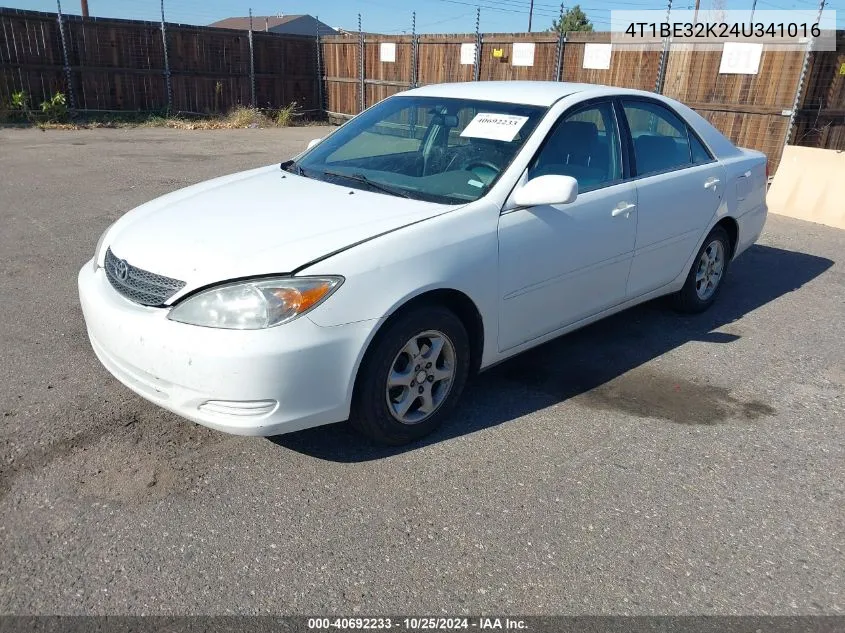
(55, 108)
(285, 116)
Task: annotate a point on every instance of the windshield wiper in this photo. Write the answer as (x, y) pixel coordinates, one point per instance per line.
(372, 183)
(286, 166)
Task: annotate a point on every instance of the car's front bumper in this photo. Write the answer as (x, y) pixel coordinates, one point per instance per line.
(258, 382)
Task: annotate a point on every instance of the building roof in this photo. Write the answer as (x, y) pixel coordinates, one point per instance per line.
(258, 22)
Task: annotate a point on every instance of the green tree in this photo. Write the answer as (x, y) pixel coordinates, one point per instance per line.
(574, 19)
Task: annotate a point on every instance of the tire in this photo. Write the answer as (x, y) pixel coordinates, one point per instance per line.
(713, 257)
(377, 408)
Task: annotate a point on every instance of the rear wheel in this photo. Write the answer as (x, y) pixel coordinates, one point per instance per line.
(412, 376)
(708, 271)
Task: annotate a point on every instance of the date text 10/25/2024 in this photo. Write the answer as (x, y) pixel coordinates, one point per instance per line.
(417, 624)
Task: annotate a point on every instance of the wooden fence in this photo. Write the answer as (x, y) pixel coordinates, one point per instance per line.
(821, 115)
(109, 64)
(752, 110)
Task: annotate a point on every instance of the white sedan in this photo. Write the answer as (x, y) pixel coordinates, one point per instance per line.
(439, 232)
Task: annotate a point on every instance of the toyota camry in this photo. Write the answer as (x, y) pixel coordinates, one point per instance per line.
(441, 231)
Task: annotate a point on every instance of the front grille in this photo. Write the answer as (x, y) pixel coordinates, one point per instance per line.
(138, 285)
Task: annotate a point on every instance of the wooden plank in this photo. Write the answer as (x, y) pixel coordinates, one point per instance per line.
(629, 67)
(379, 82)
(501, 68)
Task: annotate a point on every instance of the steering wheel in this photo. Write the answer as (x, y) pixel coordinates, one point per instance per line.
(482, 163)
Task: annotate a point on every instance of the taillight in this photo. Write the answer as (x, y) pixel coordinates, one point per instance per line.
(767, 170)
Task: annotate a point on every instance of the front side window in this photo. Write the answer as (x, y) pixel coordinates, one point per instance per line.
(661, 141)
(584, 145)
(441, 150)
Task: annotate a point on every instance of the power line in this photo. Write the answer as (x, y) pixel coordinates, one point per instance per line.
(488, 7)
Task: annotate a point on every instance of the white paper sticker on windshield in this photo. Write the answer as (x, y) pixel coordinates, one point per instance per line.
(498, 127)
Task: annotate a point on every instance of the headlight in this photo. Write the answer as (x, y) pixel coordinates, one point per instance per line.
(256, 304)
(99, 247)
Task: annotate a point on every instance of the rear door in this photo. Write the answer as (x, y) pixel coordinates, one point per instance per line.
(679, 188)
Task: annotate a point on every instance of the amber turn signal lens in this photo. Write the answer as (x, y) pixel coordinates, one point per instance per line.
(302, 300)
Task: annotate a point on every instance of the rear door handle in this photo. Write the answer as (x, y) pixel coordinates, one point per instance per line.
(623, 207)
(711, 182)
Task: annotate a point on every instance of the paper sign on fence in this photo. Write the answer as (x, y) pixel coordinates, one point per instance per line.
(597, 56)
(523, 54)
(498, 127)
(468, 53)
(740, 58)
(387, 52)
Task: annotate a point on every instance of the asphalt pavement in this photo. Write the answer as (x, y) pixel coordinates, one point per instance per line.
(651, 463)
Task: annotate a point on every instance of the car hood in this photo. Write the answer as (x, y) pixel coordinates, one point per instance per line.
(255, 222)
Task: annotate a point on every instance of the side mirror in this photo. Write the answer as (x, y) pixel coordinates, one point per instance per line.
(546, 190)
(313, 142)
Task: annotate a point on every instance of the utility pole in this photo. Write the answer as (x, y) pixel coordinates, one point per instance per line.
(695, 15)
(84, 8)
(753, 6)
(530, 14)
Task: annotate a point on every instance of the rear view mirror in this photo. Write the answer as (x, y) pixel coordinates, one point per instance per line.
(546, 190)
(313, 142)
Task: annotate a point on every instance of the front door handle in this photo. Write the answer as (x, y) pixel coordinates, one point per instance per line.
(623, 207)
(711, 182)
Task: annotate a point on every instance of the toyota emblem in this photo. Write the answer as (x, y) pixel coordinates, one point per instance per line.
(121, 269)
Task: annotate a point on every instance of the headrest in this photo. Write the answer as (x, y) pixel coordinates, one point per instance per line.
(579, 133)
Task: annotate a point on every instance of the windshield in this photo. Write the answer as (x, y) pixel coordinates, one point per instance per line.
(441, 150)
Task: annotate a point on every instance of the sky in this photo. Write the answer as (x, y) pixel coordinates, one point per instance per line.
(385, 16)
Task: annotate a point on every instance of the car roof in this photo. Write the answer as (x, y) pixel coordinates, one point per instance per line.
(539, 93)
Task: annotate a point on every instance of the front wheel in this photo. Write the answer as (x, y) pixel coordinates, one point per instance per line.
(708, 271)
(412, 376)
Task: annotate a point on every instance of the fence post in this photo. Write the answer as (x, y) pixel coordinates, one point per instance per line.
(251, 65)
(321, 105)
(561, 41)
(362, 100)
(799, 90)
(68, 75)
(664, 58)
(661, 68)
(476, 70)
(166, 62)
(414, 49)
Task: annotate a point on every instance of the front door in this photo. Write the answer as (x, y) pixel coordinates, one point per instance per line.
(561, 263)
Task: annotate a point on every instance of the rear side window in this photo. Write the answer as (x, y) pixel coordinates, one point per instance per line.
(661, 141)
(699, 153)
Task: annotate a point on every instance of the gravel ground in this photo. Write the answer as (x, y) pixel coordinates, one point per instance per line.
(651, 463)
